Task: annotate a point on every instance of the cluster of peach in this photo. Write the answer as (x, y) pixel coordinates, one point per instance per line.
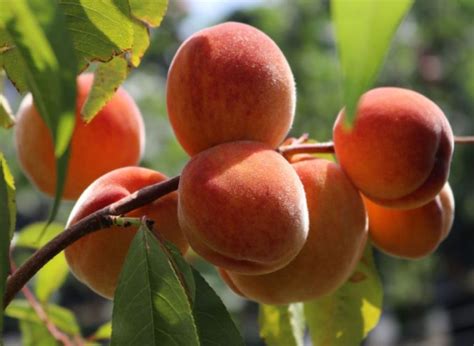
(279, 229)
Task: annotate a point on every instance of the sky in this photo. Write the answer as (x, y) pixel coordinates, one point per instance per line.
(205, 12)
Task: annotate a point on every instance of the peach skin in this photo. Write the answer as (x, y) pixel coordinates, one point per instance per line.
(337, 236)
(114, 138)
(411, 233)
(242, 207)
(97, 258)
(399, 151)
(226, 83)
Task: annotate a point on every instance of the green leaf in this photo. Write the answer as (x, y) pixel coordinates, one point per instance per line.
(44, 51)
(150, 305)
(141, 42)
(7, 199)
(61, 317)
(282, 324)
(56, 268)
(35, 236)
(38, 32)
(364, 30)
(99, 29)
(6, 116)
(349, 314)
(7, 223)
(36, 334)
(10, 59)
(214, 324)
(151, 13)
(182, 269)
(107, 79)
(104, 332)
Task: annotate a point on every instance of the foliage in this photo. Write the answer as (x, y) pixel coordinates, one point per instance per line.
(43, 54)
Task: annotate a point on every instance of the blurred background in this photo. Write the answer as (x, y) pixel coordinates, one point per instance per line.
(426, 302)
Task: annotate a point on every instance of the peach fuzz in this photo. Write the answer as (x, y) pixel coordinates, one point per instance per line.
(337, 237)
(242, 207)
(411, 233)
(96, 259)
(114, 138)
(399, 151)
(226, 83)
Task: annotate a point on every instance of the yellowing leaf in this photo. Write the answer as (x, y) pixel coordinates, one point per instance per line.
(346, 316)
(282, 325)
(107, 79)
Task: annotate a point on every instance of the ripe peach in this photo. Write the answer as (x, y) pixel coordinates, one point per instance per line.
(337, 236)
(399, 151)
(97, 258)
(226, 83)
(411, 233)
(114, 138)
(242, 207)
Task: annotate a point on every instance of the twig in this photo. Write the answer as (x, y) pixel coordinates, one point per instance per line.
(102, 218)
(328, 147)
(309, 148)
(40, 312)
(464, 139)
(52, 328)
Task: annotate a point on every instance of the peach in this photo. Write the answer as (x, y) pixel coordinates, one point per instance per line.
(337, 236)
(399, 151)
(226, 83)
(411, 233)
(242, 207)
(114, 138)
(97, 258)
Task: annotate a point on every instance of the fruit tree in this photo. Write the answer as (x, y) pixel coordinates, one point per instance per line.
(286, 220)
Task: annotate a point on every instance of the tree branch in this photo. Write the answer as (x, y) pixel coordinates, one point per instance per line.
(307, 148)
(100, 219)
(40, 312)
(300, 147)
(104, 217)
(464, 139)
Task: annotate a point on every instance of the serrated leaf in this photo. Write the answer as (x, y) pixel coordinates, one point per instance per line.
(10, 59)
(7, 119)
(364, 30)
(104, 332)
(141, 42)
(44, 50)
(36, 334)
(150, 12)
(150, 305)
(282, 325)
(37, 30)
(61, 317)
(214, 324)
(349, 314)
(182, 269)
(99, 29)
(7, 223)
(107, 79)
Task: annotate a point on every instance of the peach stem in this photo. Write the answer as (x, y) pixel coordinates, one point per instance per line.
(298, 147)
(106, 216)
